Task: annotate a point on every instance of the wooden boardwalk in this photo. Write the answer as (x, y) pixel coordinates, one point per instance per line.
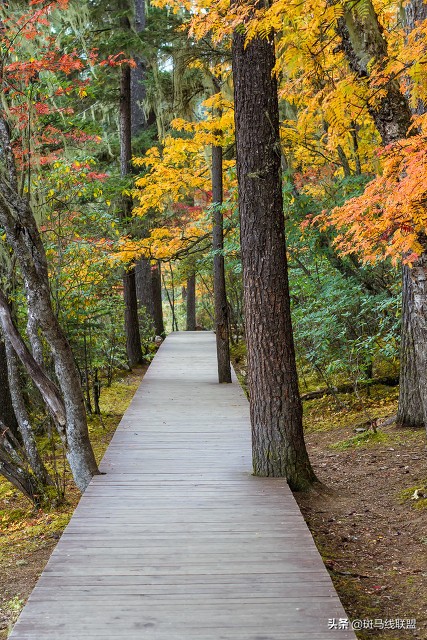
(178, 541)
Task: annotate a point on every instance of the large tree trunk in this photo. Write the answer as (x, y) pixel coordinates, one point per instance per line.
(220, 294)
(156, 286)
(133, 338)
(144, 291)
(410, 408)
(275, 406)
(191, 302)
(23, 237)
(364, 44)
(411, 412)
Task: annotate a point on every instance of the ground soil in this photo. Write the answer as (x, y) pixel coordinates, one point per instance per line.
(371, 534)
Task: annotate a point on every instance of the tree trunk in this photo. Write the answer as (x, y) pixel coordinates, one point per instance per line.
(23, 237)
(34, 338)
(139, 123)
(156, 285)
(415, 12)
(7, 414)
(138, 74)
(410, 409)
(276, 412)
(133, 338)
(144, 291)
(14, 468)
(364, 44)
(48, 390)
(27, 435)
(220, 293)
(191, 302)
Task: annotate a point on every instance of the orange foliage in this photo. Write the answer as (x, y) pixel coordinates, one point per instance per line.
(388, 218)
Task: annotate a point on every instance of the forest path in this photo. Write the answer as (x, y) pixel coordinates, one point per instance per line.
(178, 541)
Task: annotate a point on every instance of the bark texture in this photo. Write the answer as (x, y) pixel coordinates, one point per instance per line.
(220, 293)
(48, 390)
(364, 44)
(148, 293)
(133, 340)
(144, 291)
(410, 408)
(415, 12)
(191, 302)
(275, 405)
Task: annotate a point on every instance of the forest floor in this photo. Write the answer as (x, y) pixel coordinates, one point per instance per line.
(28, 537)
(369, 529)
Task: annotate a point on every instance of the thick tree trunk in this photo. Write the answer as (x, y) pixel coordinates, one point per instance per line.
(133, 338)
(7, 414)
(410, 408)
(220, 293)
(133, 341)
(144, 291)
(418, 275)
(156, 286)
(275, 406)
(364, 44)
(23, 237)
(191, 302)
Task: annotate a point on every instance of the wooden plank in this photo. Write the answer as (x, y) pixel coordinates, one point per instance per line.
(178, 541)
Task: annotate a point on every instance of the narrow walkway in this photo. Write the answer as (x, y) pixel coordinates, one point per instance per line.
(178, 541)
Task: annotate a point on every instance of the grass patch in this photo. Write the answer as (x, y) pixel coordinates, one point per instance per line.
(368, 438)
(327, 414)
(407, 495)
